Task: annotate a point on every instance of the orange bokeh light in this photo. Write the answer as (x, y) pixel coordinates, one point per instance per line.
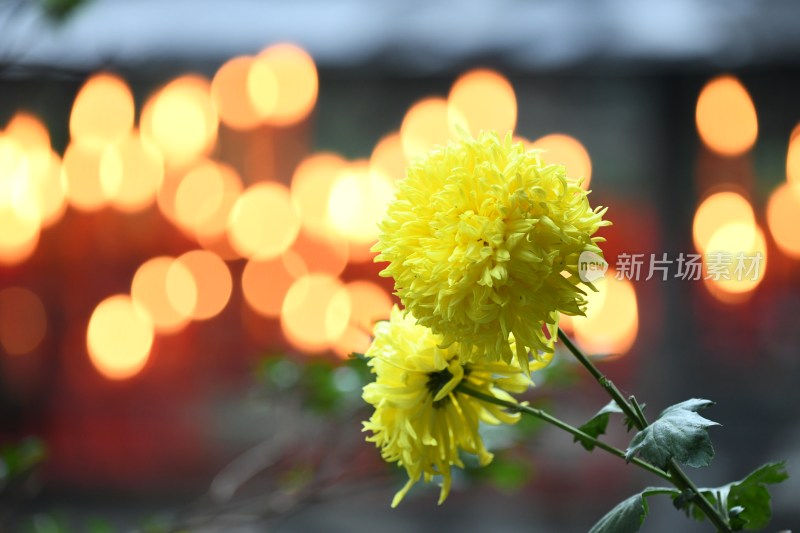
(51, 184)
(199, 196)
(83, 172)
(14, 164)
(20, 217)
(425, 125)
(215, 225)
(220, 245)
(726, 282)
(212, 280)
(199, 202)
(181, 119)
(262, 88)
(565, 150)
(23, 321)
(265, 284)
(328, 254)
(783, 217)
(388, 157)
(231, 95)
(357, 201)
(29, 132)
(264, 222)
(165, 196)
(315, 312)
(46, 175)
(717, 210)
(484, 100)
(726, 117)
(103, 110)
(131, 171)
(119, 337)
(369, 303)
(31, 136)
(793, 157)
(311, 188)
(20, 235)
(612, 317)
(283, 84)
(166, 291)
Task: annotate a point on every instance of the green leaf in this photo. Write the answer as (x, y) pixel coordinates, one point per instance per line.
(626, 517)
(528, 426)
(629, 514)
(752, 494)
(363, 371)
(597, 425)
(17, 459)
(279, 371)
(508, 475)
(747, 501)
(96, 525)
(158, 524)
(46, 523)
(61, 9)
(679, 433)
(321, 394)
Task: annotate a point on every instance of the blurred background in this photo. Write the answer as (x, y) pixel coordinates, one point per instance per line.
(188, 195)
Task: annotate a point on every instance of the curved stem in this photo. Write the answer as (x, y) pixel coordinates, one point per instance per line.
(634, 413)
(550, 419)
(604, 382)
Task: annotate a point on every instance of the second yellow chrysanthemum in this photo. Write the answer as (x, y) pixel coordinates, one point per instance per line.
(422, 421)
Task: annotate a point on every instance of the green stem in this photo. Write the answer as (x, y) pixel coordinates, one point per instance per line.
(683, 482)
(604, 382)
(634, 413)
(638, 409)
(550, 419)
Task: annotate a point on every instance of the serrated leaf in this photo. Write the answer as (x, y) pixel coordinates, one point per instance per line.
(626, 517)
(629, 514)
(747, 501)
(752, 494)
(679, 433)
(597, 425)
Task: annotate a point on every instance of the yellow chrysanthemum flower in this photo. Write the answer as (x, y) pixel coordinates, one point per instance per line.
(421, 421)
(483, 240)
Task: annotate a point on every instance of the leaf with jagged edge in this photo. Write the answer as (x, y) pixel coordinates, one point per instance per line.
(629, 514)
(747, 501)
(679, 433)
(597, 425)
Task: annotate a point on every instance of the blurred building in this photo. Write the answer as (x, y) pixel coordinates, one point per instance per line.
(188, 186)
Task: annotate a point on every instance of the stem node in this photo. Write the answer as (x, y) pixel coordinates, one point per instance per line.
(634, 413)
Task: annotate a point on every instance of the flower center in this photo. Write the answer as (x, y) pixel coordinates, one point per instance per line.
(437, 380)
